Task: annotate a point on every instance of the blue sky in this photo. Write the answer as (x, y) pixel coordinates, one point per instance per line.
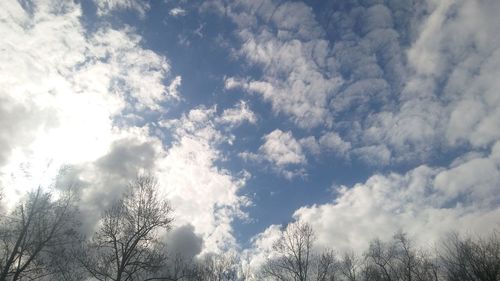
(359, 117)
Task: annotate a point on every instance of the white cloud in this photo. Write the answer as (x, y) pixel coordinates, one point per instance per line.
(375, 155)
(459, 51)
(332, 141)
(293, 56)
(237, 115)
(66, 94)
(310, 144)
(105, 7)
(177, 12)
(282, 149)
(328, 142)
(256, 256)
(282, 152)
(234, 83)
(203, 194)
(426, 202)
(412, 83)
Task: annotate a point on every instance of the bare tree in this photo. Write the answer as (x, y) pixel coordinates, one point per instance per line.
(295, 258)
(219, 267)
(178, 268)
(381, 261)
(466, 259)
(126, 246)
(35, 234)
(326, 266)
(294, 252)
(349, 267)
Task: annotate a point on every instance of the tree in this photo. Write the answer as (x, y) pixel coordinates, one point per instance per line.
(466, 259)
(381, 258)
(349, 267)
(326, 266)
(295, 259)
(219, 267)
(293, 250)
(399, 260)
(126, 246)
(35, 234)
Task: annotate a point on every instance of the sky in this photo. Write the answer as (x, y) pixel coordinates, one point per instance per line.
(361, 118)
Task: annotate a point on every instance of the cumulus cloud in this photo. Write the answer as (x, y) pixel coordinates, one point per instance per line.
(426, 202)
(202, 194)
(451, 97)
(70, 104)
(71, 85)
(328, 142)
(184, 242)
(413, 84)
(282, 152)
(374, 155)
(237, 115)
(282, 148)
(253, 258)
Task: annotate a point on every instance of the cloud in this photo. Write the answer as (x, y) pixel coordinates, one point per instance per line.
(327, 143)
(426, 202)
(332, 141)
(105, 7)
(70, 87)
(202, 193)
(184, 242)
(84, 99)
(256, 256)
(282, 148)
(177, 12)
(450, 100)
(293, 56)
(282, 152)
(378, 74)
(375, 155)
(237, 115)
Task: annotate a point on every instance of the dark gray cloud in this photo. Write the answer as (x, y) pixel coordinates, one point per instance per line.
(183, 241)
(102, 182)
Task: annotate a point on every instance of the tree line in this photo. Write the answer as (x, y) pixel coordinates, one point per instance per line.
(40, 239)
(455, 259)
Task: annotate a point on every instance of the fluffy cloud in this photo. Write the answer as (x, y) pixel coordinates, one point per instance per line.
(75, 101)
(293, 55)
(282, 151)
(328, 142)
(72, 82)
(426, 202)
(203, 194)
(67, 89)
(184, 242)
(410, 82)
(237, 115)
(282, 148)
(287, 155)
(451, 98)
